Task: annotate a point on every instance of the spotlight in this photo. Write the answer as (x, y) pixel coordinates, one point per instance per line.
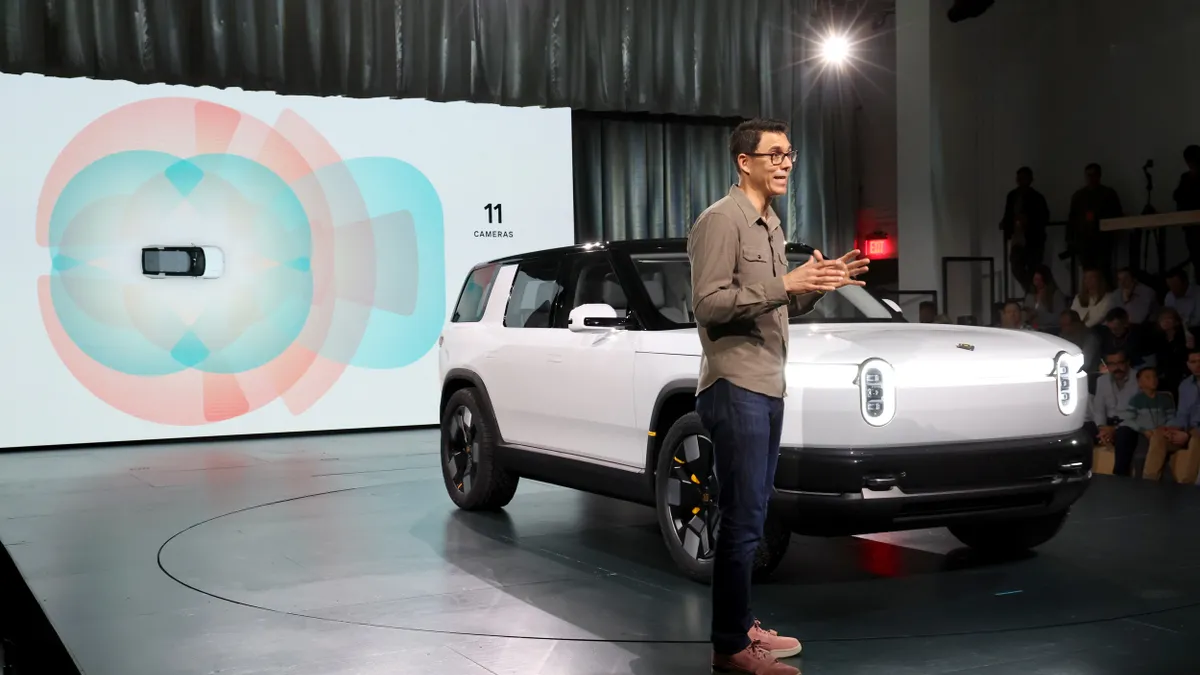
(835, 49)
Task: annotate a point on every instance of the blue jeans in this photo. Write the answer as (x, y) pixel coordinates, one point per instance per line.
(745, 428)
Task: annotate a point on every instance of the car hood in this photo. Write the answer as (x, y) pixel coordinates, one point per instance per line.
(908, 343)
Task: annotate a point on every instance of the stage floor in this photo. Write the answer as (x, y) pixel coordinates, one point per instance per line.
(343, 554)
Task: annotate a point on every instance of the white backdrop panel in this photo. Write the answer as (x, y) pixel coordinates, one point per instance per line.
(346, 226)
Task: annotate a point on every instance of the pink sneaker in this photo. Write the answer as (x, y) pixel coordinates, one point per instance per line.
(779, 647)
(753, 660)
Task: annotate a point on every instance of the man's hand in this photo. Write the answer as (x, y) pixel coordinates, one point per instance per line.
(816, 274)
(1106, 435)
(1177, 436)
(855, 266)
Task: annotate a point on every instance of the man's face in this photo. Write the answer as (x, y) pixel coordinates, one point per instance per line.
(1176, 285)
(1092, 177)
(1119, 326)
(762, 168)
(1194, 364)
(1012, 315)
(927, 315)
(1024, 179)
(1125, 280)
(1117, 365)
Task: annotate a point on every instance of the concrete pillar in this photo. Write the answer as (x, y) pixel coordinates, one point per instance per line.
(918, 246)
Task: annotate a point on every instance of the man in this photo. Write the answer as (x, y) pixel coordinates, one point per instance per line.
(1136, 298)
(1187, 198)
(1183, 431)
(1114, 389)
(1026, 215)
(1090, 204)
(1181, 296)
(1117, 334)
(741, 296)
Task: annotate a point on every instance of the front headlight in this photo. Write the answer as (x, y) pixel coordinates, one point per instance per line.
(877, 391)
(1066, 381)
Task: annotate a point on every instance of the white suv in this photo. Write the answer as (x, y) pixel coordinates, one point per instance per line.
(578, 367)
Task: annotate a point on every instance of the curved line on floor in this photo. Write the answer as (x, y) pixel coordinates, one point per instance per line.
(545, 638)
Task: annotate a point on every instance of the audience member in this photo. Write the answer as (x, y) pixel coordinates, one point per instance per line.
(1024, 224)
(1137, 299)
(1011, 316)
(1044, 303)
(1181, 296)
(1170, 343)
(1089, 205)
(1092, 301)
(927, 311)
(1187, 198)
(1117, 335)
(1110, 403)
(1184, 428)
(1150, 410)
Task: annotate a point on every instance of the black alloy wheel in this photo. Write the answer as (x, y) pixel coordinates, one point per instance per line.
(686, 492)
(462, 451)
(691, 497)
(474, 477)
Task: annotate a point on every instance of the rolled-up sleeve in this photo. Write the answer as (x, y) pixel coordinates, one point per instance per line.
(713, 247)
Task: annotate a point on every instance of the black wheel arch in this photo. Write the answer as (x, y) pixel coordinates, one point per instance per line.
(461, 378)
(674, 400)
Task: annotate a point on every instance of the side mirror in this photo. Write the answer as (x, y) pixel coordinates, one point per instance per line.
(594, 317)
(891, 303)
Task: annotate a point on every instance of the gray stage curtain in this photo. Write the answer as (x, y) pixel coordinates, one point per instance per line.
(685, 57)
(720, 58)
(641, 177)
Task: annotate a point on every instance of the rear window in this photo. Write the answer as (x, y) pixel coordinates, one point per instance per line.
(474, 297)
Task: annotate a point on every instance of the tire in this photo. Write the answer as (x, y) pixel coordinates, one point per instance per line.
(1010, 537)
(474, 478)
(685, 501)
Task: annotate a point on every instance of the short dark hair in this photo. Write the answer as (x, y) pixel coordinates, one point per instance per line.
(744, 139)
(1026, 171)
(1093, 167)
(1145, 369)
(1116, 314)
(1192, 154)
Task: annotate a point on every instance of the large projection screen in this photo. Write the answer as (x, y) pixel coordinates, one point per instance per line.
(335, 235)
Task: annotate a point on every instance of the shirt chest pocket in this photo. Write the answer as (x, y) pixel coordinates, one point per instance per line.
(762, 262)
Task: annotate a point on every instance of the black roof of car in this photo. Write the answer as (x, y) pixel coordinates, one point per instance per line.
(632, 246)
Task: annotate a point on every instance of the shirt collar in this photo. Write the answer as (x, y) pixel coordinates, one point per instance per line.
(752, 216)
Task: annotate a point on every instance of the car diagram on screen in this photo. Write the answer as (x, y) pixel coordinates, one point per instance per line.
(160, 262)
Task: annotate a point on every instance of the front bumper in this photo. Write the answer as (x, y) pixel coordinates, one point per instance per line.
(842, 491)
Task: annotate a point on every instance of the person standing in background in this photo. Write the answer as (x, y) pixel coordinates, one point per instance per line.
(1090, 204)
(1026, 216)
(741, 297)
(1187, 198)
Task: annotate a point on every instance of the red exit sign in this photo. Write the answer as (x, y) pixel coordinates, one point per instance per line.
(879, 248)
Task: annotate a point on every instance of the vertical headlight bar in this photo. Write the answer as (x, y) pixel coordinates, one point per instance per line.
(877, 391)
(1066, 381)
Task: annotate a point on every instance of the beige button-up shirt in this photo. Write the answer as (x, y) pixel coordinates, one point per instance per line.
(738, 260)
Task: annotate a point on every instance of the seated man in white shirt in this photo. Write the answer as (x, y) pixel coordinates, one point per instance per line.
(1183, 297)
(1110, 403)
(1137, 299)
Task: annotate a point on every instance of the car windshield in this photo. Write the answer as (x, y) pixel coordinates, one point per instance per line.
(667, 278)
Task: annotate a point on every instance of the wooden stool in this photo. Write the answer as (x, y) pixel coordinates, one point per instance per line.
(1103, 459)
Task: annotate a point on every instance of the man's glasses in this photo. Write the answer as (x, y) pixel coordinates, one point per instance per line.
(776, 157)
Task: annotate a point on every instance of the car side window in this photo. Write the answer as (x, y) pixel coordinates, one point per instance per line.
(591, 280)
(535, 292)
(473, 299)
